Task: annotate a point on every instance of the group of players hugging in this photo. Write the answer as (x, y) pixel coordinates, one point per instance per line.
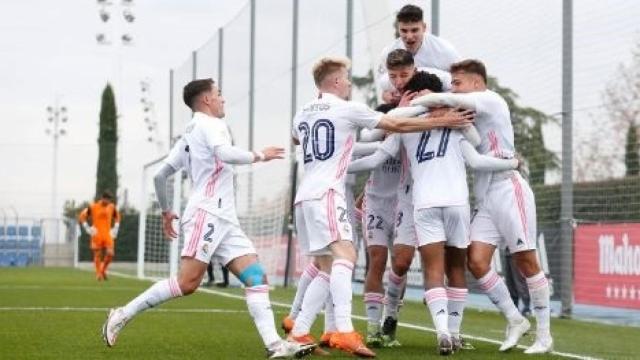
(438, 117)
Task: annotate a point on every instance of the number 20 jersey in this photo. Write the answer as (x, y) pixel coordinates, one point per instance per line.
(326, 129)
(437, 168)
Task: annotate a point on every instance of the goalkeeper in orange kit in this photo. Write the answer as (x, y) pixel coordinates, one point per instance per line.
(103, 214)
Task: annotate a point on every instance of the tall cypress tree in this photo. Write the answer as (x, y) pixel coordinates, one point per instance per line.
(107, 176)
(631, 156)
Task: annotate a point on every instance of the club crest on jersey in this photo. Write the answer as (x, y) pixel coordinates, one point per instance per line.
(205, 248)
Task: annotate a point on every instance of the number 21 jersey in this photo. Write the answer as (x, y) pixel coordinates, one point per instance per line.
(437, 168)
(326, 129)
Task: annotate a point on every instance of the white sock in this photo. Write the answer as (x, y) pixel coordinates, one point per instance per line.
(307, 276)
(313, 302)
(155, 295)
(539, 292)
(456, 299)
(260, 309)
(436, 299)
(342, 292)
(395, 287)
(494, 286)
(373, 304)
(329, 316)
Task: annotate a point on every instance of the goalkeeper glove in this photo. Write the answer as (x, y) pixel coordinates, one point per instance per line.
(89, 229)
(114, 230)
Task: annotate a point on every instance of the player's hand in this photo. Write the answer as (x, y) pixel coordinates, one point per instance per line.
(167, 224)
(523, 168)
(406, 98)
(93, 231)
(391, 97)
(458, 118)
(114, 231)
(273, 152)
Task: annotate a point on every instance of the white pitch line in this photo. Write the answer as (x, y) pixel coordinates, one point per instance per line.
(72, 287)
(99, 309)
(401, 324)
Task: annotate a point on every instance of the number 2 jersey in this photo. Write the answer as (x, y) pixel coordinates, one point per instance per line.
(326, 129)
(211, 178)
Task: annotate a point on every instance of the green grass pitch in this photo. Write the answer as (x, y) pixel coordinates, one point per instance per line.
(57, 313)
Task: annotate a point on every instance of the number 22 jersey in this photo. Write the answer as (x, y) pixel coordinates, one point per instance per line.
(326, 129)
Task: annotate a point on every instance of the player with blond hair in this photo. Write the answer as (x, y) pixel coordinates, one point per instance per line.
(326, 129)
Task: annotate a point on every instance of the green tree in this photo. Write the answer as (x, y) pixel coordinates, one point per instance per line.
(107, 176)
(527, 127)
(622, 102)
(631, 156)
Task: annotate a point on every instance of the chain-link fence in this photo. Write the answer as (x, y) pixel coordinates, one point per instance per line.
(558, 63)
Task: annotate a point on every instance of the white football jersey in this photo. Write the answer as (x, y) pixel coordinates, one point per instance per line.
(434, 52)
(326, 129)
(443, 75)
(437, 168)
(493, 121)
(384, 179)
(212, 180)
(393, 146)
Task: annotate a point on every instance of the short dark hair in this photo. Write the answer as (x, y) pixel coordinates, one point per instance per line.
(106, 194)
(422, 80)
(409, 13)
(194, 88)
(471, 66)
(385, 108)
(399, 58)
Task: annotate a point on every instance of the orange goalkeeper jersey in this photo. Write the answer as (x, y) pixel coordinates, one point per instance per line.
(102, 216)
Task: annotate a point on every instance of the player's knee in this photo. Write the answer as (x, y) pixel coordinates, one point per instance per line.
(477, 267)
(527, 263)
(253, 275)
(401, 265)
(343, 250)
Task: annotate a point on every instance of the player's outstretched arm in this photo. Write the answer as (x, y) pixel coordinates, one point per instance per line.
(365, 148)
(451, 119)
(370, 135)
(465, 101)
(484, 162)
(369, 162)
(237, 156)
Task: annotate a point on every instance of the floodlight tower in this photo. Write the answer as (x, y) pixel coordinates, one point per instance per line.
(56, 119)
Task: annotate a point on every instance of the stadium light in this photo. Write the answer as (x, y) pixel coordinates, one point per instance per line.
(105, 12)
(102, 39)
(56, 115)
(148, 107)
(104, 15)
(128, 16)
(126, 39)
